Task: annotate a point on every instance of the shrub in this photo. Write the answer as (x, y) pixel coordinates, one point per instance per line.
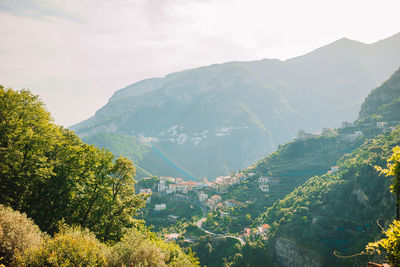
(17, 234)
(138, 249)
(390, 244)
(71, 247)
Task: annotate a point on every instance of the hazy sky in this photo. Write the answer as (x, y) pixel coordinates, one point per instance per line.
(76, 53)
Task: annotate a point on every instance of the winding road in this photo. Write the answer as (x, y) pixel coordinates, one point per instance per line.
(199, 224)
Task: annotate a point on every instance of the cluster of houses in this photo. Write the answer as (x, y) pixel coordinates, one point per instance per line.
(301, 134)
(215, 202)
(169, 185)
(261, 230)
(176, 186)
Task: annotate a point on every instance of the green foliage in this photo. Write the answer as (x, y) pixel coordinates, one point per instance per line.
(338, 212)
(386, 94)
(393, 170)
(140, 249)
(51, 175)
(251, 254)
(69, 247)
(17, 234)
(125, 145)
(390, 244)
(215, 252)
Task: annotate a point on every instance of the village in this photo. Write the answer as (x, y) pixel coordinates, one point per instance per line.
(172, 199)
(208, 196)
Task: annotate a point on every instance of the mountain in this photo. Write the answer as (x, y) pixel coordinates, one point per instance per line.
(383, 103)
(211, 120)
(338, 211)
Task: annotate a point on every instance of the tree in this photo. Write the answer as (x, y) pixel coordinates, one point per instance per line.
(51, 175)
(393, 170)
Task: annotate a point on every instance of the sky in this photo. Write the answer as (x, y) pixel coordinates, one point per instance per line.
(75, 54)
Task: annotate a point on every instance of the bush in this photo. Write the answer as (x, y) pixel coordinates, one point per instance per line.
(71, 247)
(138, 249)
(17, 234)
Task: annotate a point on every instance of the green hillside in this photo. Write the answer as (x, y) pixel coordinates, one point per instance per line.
(338, 212)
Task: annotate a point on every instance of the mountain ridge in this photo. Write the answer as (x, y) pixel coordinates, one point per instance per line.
(256, 104)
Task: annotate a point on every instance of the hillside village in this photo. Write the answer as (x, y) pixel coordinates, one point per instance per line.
(173, 201)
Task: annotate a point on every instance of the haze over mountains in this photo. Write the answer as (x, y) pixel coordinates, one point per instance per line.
(211, 120)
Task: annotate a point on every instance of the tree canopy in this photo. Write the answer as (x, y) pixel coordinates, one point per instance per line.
(49, 173)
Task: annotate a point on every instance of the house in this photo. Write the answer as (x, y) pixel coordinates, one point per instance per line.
(241, 177)
(226, 180)
(328, 131)
(264, 187)
(203, 197)
(233, 203)
(182, 187)
(159, 207)
(216, 198)
(263, 180)
(260, 230)
(381, 124)
(173, 236)
(171, 179)
(222, 188)
(334, 169)
(162, 186)
(247, 232)
(145, 191)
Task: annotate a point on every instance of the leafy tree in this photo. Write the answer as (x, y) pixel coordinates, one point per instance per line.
(393, 169)
(390, 244)
(49, 173)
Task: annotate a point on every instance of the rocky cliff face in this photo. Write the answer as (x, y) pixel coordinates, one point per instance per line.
(289, 254)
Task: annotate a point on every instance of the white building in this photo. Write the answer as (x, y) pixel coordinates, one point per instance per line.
(334, 169)
(182, 187)
(159, 207)
(264, 187)
(162, 186)
(263, 180)
(216, 198)
(203, 197)
(171, 179)
(263, 184)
